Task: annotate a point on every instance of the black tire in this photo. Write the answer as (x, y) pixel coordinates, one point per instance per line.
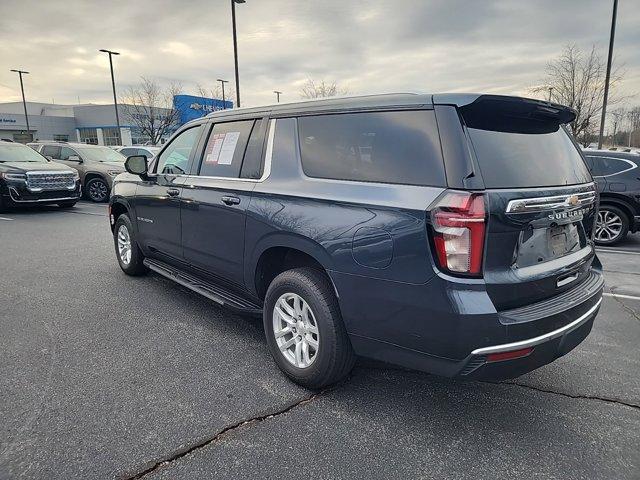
(135, 265)
(334, 357)
(68, 204)
(97, 190)
(601, 237)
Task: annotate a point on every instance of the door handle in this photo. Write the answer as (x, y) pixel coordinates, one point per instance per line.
(231, 200)
(173, 192)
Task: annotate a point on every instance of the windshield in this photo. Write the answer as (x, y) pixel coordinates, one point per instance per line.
(100, 154)
(19, 153)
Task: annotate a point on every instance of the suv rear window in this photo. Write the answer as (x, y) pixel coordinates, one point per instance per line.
(606, 166)
(389, 147)
(517, 150)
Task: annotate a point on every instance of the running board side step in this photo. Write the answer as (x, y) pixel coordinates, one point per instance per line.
(212, 291)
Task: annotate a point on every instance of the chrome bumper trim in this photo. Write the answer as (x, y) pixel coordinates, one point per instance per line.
(12, 192)
(532, 342)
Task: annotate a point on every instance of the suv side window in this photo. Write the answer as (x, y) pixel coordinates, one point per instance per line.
(605, 166)
(51, 151)
(66, 152)
(127, 152)
(174, 160)
(223, 154)
(388, 147)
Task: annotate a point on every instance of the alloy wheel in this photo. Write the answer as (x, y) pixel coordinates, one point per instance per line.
(98, 191)
(296, 330)
(124, 245)
(608, 226)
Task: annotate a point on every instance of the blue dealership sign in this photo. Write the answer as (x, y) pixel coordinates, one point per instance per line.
(191, 107)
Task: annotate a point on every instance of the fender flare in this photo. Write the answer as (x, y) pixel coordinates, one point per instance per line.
(285, 240)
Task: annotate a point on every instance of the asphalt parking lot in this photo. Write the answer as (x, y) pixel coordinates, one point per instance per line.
(107, 376)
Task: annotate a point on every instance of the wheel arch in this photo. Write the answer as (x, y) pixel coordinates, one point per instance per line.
(620, 202)
(279, 252)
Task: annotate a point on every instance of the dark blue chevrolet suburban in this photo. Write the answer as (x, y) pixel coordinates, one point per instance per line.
(448, 233)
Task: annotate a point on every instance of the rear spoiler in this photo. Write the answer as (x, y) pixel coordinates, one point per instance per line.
(508, 114)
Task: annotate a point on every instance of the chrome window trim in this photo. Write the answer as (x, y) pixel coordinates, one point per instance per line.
(632, 165)
(267, 162)
(532, 342)
(539, 204)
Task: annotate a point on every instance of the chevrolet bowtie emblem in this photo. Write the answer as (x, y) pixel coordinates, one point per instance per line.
(573, 200)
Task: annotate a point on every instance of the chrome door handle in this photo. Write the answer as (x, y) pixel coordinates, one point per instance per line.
(231, 200)
(173, 192)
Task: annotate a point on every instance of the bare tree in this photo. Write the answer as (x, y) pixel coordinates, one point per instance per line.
(321, 89)
(617, 117)
(149, 107)
(576, 79)
(634, 123)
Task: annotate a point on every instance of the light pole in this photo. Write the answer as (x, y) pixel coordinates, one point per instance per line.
(606, 80)
(222, 82)
(113, 84)
(24, 102)
(235, 48)
(277, 95)
(550, 90)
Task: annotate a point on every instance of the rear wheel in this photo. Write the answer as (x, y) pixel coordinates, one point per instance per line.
(612, 225)
(97, 190)
(129, 255)
(304, 328)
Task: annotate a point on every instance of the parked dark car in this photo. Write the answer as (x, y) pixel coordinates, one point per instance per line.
(446, 233)
(27, 178)
(618, 179)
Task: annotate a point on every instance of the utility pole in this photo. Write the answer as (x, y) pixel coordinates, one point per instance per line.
(113, 84)
(608, 76)
(235, 48)
(550, 90)
(24, 102)
(222, 82)
(277, 95)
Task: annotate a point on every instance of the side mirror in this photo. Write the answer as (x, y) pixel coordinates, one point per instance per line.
(137, 165)
(74, 158)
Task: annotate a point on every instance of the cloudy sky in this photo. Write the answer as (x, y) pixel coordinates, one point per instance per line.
(368, 46)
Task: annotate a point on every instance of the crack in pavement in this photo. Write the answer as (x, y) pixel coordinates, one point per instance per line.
(628, 309)
(569, 395)
(153, 466)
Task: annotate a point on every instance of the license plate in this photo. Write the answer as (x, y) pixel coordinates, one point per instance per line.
(563, 238)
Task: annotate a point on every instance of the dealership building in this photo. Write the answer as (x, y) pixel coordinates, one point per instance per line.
(95, 124)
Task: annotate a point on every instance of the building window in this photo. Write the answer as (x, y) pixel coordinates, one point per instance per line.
(139, 138)
(89, 135)
(110, 136)
(61, 138)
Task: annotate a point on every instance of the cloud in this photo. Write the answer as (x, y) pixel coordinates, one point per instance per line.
(369, 45)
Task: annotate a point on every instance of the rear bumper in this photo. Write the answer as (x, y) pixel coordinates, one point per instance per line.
(456, 332)
(545, 349)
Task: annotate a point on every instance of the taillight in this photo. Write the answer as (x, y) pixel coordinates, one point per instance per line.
(458, 221)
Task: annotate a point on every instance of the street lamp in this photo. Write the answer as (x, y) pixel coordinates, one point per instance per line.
(113, 84)
(277, 95)
(235, 48)
(608, 75)
(24, 102)
(222, 82)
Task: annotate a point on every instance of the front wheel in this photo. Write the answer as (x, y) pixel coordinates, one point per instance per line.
(129, 255)
(612, 225)
(304, 328)
(97, 190)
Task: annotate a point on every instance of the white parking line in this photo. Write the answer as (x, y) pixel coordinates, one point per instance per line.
(620, 295)
(6, 218)
(626, 252)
